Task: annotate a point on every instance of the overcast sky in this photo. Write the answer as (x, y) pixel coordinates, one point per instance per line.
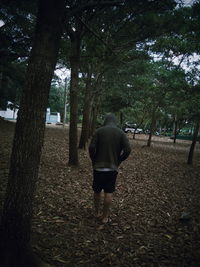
(188, 2)
(1, 23)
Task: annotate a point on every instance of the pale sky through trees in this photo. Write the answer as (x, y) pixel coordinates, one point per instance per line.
(1, 23)
(188, 2)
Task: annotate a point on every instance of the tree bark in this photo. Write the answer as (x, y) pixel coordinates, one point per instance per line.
(15, 231)
(92, 97)
(93, 119)
(194, 140)
(73, 131)
(175, 129)
(153, 122)
(86, 114)
(65, 108)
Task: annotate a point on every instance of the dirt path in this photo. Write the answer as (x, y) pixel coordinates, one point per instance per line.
(155, 188)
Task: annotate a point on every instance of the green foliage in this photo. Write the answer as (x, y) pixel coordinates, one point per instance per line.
(16, 34)
(16, 41)
(12, 80)
(192, 102)
(56, 99)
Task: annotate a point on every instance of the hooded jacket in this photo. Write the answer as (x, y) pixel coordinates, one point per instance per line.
(109, 145)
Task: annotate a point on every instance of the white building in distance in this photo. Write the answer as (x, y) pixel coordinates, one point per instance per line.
(11, 114)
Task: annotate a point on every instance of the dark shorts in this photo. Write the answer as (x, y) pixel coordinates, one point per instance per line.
(104, 180)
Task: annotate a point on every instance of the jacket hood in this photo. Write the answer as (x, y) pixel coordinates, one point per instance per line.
(110, 119)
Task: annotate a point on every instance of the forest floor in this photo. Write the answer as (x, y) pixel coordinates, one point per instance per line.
(155, 217)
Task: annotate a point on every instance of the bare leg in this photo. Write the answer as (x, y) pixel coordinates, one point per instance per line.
(106, 206)
(97, 202)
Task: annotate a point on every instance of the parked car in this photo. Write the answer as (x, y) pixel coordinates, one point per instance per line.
(133, 130)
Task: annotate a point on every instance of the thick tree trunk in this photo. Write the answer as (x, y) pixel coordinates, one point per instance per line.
(192, 147)
(28, 139)
(73, 131)
(86, 115)
(93, 120)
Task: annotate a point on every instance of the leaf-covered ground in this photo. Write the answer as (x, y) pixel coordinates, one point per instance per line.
(155, 217)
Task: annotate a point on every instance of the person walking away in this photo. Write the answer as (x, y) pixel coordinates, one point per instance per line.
(108, 148)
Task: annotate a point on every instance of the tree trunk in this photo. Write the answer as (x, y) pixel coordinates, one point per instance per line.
(175, 129)
(65, 108)
(93, 119)
(92, 107)
(192, 147)
(73, 131)
(86, 115)
(16, 219)
(153, 122)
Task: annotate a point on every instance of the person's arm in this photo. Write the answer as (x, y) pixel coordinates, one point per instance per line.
(126, 148)
(92, 146)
